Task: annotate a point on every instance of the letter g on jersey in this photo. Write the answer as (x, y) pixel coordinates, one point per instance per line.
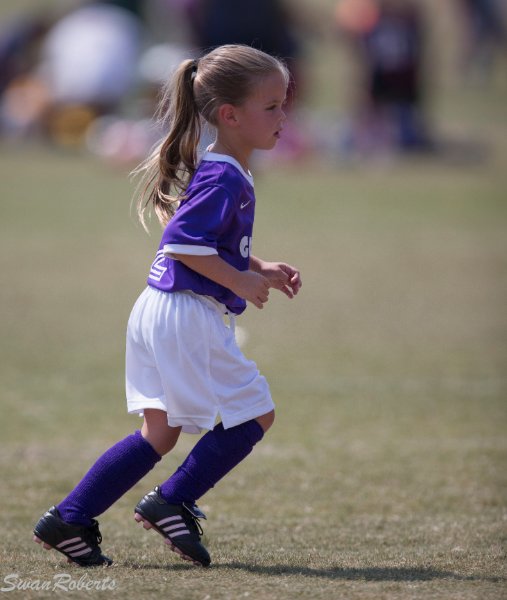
(245, 246)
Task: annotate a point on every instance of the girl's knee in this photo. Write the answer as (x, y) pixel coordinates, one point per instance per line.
(265, 421)
(158, 433)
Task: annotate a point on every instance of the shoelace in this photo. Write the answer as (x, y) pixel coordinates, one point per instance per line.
(196, 524)
(95, 531)
(193, 522)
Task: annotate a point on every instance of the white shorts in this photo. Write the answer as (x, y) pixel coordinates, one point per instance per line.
(183, 359)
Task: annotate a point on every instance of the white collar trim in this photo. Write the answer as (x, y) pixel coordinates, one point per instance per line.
(215, 157)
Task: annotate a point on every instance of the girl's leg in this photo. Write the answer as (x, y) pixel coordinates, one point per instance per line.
(214, 455)
(119, 469)
(157, 432)
(265, 421)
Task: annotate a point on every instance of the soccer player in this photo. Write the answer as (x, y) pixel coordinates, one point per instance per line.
(183, 366)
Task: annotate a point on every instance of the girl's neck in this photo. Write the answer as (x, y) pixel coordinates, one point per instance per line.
(221, 147)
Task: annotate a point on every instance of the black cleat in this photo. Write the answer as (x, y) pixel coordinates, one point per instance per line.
(177, 523)
(78, 543)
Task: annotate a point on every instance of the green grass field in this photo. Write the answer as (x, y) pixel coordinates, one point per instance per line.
(384, 476)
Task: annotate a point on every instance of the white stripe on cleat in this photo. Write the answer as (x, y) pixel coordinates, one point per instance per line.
(147, 525)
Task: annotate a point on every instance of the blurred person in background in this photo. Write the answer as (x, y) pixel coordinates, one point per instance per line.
(20, 41)
(85, 68)
(22, 96)
(484, 37)
(387, 37)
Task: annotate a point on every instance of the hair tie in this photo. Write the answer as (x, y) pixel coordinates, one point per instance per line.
(194, 70)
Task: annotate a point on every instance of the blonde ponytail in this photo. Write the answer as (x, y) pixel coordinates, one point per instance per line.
(167, 171)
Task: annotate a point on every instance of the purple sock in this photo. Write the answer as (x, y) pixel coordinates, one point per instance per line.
(214, 455)
(114, 473)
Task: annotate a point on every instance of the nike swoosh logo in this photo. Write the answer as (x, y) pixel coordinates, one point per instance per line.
(244, 204)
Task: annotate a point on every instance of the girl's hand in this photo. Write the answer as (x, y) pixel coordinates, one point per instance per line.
(252, 286)
(281, 276)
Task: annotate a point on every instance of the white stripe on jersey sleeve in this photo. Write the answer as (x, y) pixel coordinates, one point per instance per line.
(171, 249)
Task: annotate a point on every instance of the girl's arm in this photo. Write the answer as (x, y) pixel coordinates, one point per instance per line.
(250, 285)
(281, 276)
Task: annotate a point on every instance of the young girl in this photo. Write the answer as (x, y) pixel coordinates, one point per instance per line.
(183, 366)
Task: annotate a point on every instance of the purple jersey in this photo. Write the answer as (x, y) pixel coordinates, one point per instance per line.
(216, 217)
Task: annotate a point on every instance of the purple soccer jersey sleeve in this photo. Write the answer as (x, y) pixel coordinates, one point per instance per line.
(200, 223)
(216, 217)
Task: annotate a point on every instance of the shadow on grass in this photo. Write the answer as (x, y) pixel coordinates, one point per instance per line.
(343, 573)
(362, 574)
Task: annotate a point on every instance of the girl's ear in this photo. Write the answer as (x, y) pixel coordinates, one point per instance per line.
(227, 115)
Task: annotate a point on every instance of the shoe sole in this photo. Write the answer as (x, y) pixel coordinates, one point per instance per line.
(148, 525)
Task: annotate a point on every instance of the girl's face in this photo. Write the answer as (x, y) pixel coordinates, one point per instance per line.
(260, 118)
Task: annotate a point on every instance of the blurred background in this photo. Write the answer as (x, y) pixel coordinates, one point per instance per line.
(370, 78)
